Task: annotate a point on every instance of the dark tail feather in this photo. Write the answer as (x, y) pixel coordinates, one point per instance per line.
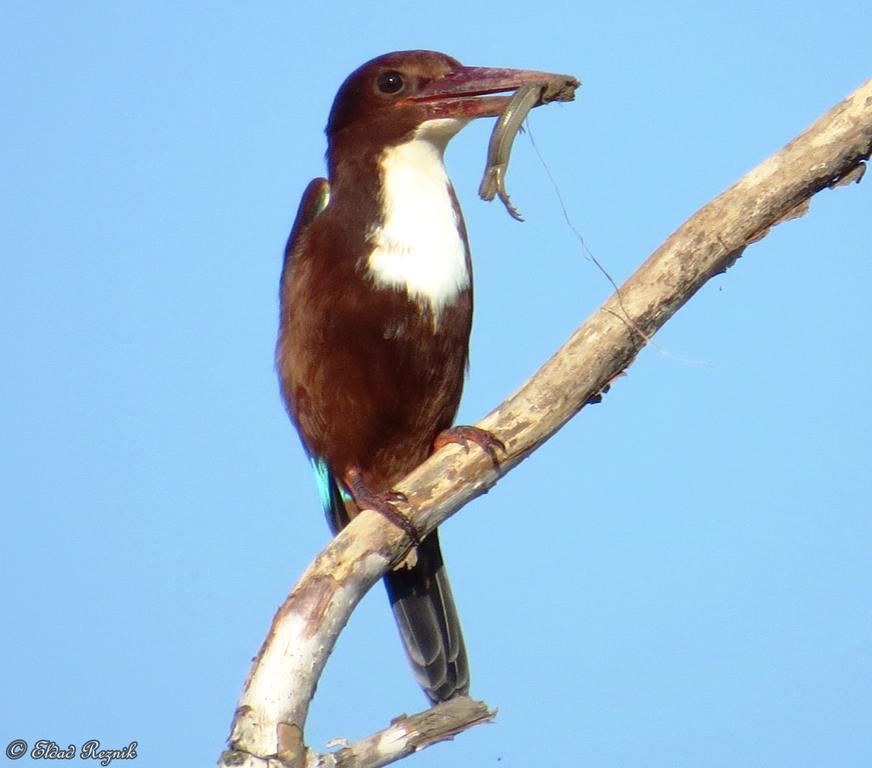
(429, 626)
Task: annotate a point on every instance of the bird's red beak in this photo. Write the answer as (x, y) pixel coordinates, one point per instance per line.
(471, 92)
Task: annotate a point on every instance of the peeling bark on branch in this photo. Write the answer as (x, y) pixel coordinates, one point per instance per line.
(269, 724)
(405, 735)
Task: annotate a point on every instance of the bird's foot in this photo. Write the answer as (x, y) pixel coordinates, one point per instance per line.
(464, 435)
(383, 503)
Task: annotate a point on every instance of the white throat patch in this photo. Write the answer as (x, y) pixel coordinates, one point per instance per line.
(418, 247)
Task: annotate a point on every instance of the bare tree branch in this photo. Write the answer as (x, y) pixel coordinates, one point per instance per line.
(269, 723)
(408, 734)
(405, 735)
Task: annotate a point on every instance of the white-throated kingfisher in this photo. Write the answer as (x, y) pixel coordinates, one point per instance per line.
(376, 312)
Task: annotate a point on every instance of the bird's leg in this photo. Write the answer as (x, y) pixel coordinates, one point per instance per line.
(366, 498)
(464, 435)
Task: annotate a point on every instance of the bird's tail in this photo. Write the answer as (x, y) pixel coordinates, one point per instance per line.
(421, 598)
(423, 606)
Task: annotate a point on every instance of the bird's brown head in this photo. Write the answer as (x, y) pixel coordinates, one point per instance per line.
(386, 100)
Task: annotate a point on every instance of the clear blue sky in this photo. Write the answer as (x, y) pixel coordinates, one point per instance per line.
(682, 577)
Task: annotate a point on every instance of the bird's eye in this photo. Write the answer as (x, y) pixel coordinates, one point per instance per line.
(390, 82)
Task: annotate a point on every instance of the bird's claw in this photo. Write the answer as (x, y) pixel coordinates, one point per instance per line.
(383, 503)
(464, 435)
